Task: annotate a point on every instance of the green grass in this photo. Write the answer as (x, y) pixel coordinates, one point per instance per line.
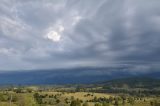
(27, 99)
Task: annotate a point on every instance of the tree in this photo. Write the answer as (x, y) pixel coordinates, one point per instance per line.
(85, 104)
(72, 97)
(4, 97)
(66, 100)
(151, 103)
(105, 104)
(75, 103)
(123, 97)
(131, 101)
(57, 101)
(95, 99)
(38, 98)
(97, 104)
(116, 102)
(110, 99)
(14, 98)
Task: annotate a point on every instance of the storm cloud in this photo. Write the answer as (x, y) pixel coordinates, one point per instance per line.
(51, 34)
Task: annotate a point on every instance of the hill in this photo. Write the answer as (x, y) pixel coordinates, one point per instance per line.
(68, 76)
(134, 82)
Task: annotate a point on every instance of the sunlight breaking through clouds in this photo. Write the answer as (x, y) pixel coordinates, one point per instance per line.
(54, 36)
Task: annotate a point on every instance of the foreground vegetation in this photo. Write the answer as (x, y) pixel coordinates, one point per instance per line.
(114, 93)
(74, 99)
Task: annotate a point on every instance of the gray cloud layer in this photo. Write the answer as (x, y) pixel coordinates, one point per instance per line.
(93, 33)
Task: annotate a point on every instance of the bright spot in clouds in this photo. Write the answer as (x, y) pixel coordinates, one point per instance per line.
(54, 36)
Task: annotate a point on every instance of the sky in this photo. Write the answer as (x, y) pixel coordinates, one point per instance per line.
(55, 34)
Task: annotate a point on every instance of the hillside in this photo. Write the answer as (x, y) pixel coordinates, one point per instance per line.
(134, 82)
(68, 76)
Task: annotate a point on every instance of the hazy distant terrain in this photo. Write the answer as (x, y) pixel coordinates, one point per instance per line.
(69, 76)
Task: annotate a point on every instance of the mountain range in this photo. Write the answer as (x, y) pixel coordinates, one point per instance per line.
(69, 76)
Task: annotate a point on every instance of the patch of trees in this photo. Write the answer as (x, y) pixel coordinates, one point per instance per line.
(4, 97)
(155, 103)
(7, 97)
(47, 99)
(117, 101)
(87, 95)
(76, 102)
(38, 98)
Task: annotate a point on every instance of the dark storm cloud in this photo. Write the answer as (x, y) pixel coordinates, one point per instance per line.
(120, 34)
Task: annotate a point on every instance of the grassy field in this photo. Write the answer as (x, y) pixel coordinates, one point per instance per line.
(18, 99)
(61, 99)
(82, 96)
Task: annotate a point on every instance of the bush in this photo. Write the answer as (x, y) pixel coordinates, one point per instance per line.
(85, 104)
(76, 103)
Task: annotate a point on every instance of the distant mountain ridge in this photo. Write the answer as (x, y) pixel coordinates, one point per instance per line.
(68, 76)
(134, 82)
